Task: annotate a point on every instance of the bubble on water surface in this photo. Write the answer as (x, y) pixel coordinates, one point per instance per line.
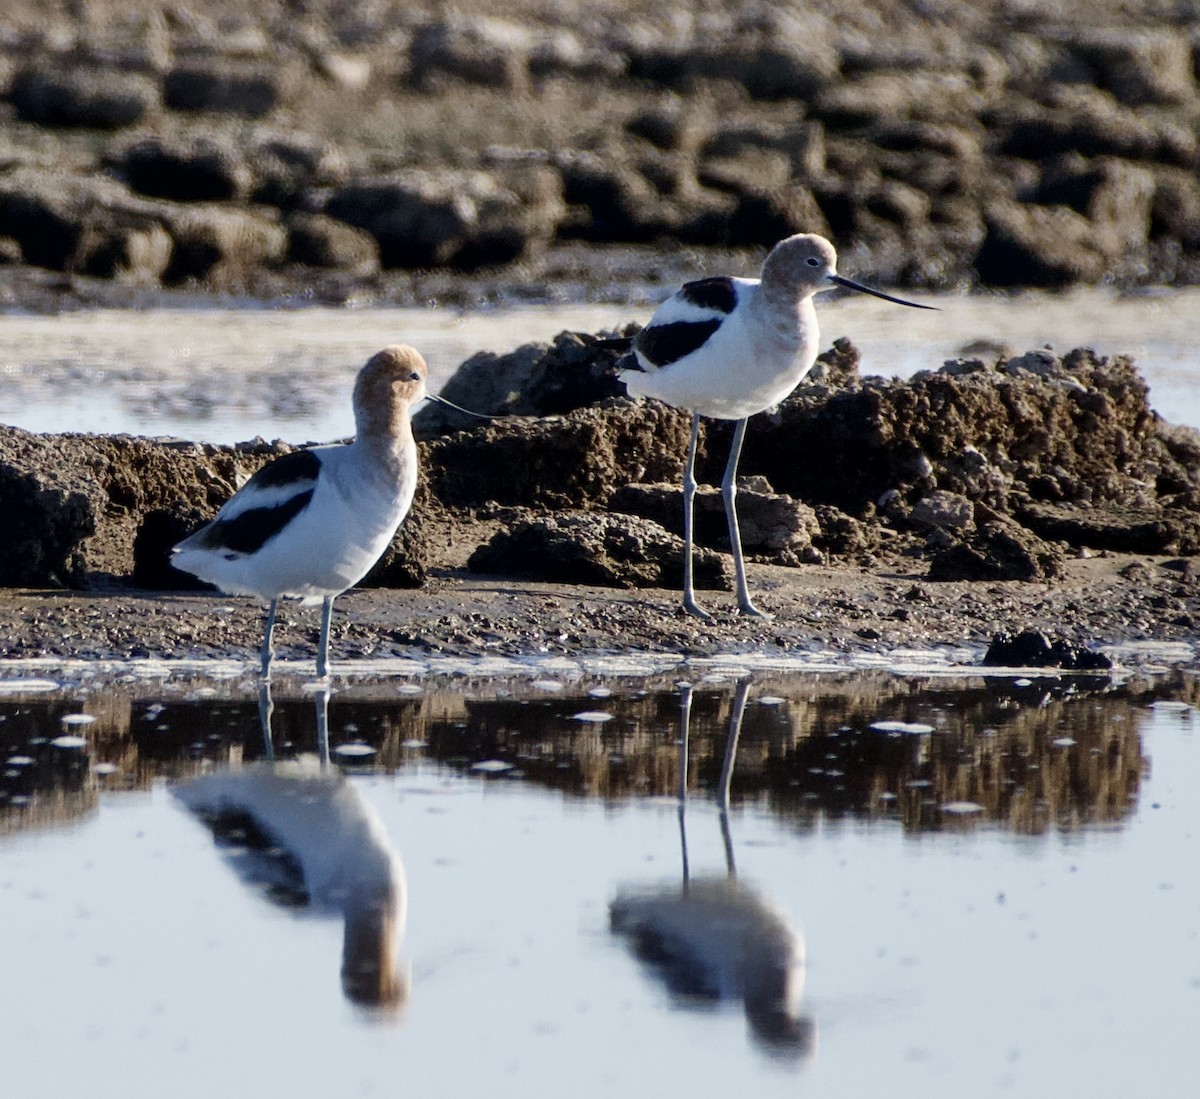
(491, 766)
(69, 742)
(962, 808)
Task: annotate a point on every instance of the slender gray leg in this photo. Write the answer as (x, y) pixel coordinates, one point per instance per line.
(689, 496)
(268, 635)
(729, 493)
(323, 645)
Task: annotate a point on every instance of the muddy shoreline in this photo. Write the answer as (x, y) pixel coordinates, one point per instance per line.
(1112, 599)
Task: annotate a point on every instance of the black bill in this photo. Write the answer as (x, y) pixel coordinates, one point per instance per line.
(876, 293)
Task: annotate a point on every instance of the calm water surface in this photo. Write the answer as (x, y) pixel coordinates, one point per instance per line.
(231, 374)
(993, 882)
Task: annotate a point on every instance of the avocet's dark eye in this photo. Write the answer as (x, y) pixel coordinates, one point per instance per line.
(812, 261)
(415, 376)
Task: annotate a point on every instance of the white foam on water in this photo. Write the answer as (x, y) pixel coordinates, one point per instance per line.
(70, 743)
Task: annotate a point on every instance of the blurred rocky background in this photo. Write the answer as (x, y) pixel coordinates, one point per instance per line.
(332, 148)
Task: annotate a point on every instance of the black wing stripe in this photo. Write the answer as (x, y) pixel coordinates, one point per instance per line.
(254, 528)
(663, 344)
(294, 468)
(715, 293)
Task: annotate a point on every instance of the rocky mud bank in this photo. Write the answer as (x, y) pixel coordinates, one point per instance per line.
(984, 496)
(348, 151)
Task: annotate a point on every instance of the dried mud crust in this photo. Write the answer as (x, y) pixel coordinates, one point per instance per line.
(1104, 599)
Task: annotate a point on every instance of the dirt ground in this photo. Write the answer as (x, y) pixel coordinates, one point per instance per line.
(1100, 600)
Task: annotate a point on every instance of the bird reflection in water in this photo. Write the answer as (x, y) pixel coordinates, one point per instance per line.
(716, 938)
(301, 833)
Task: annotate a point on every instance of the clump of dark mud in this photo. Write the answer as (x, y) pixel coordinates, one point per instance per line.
(977, 471)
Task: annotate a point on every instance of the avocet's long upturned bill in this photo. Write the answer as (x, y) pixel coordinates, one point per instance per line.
(311, 524)
(730, 347)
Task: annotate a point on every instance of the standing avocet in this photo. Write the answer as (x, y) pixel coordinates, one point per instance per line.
(729, 348)
(311, 524)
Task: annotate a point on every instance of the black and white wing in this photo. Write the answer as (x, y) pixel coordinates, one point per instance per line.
(685, 322)
(261, 508)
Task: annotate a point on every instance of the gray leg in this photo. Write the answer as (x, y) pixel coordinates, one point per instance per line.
(689, 496)
(323, 645)
(729, 493)
(268, 635)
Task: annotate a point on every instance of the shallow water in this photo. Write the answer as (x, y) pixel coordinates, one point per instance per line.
(224, 375)
(992, 880)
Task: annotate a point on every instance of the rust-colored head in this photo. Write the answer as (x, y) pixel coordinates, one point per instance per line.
(387, 387)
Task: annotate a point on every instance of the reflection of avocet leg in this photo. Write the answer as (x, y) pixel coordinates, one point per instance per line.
(321, 702)
(266, 707)
(685, 722)
(740, 691)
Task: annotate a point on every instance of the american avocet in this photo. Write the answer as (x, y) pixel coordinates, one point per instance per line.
(311, 524)
(728, 348)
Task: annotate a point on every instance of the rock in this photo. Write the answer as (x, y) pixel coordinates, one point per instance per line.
(87, 224)
(1116, 196)
(535, 380)
(50, 511)
(615, 201)
(316, 240)
(462, 218)
(560, 53)
(222, 246)
(768, 67)
(1033, 649)
(1040, 361)
(772, 525)
(842, 535)
(83, 98)
(943, 511)
(576, 460)
(1038, 246)
(1077, 118)
(224, 85)
(1175, 207)
(1122, 529)
(128, 248)
(78, 500)
(196, 168)
(620, 551)
(479, 50)
(285, 166)
(1139, 66)
(883, 97)
(996, 551)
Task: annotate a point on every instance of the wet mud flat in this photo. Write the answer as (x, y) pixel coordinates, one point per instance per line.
(1105, 601)
(997, 494)
(1001, 493)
